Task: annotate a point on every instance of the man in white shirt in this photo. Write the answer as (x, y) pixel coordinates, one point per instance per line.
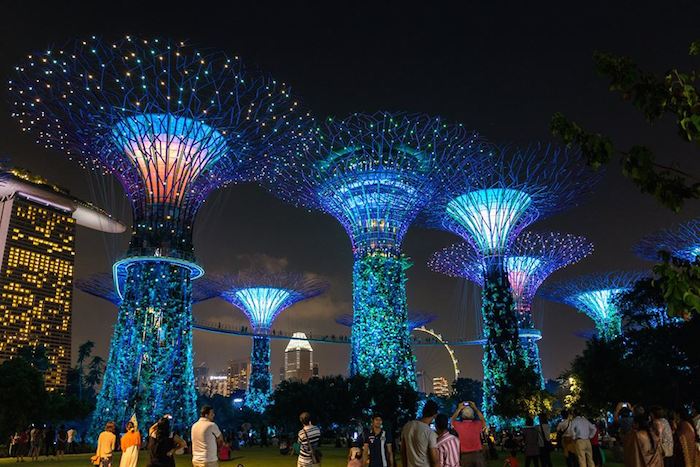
(583, 431)
(206, 439)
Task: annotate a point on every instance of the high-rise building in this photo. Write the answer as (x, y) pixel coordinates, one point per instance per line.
(420, 381)
(298, 359)
(238, 373)
(218, 384)
(441, 387)
(37, 252)
(201, 378)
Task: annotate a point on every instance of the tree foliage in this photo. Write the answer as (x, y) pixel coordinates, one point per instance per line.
(335, 400)
(655, 365)
(23, 398)
(676, 95)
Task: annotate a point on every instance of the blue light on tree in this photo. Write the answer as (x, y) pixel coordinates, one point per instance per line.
(488, 207)
(531, 258)
(172, 124)
(262, 296)
(681, 241)
(594, 295)
(374, 173)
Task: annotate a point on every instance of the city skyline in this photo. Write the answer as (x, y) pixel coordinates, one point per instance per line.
(470, 88)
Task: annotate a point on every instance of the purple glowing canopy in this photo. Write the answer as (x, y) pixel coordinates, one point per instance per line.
(101, 285)
(170, 122)
(262, 295)
(681, 241)
(532, 258)
(373, 173)
(513, 187)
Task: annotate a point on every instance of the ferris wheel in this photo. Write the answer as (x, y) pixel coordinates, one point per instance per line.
(438, 337)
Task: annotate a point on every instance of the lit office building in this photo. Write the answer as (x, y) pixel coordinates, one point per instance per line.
(298, 359)
(441, 387)
(238, 374)
(37, 252)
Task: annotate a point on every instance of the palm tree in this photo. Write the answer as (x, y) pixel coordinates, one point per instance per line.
(84, 351)
(96, 370)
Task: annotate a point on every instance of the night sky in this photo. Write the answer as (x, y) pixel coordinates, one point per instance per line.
(502, 69)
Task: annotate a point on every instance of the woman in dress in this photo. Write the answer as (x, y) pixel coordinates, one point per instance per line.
(642, 446)
(130, 443)
(685, 453)
(162, 444)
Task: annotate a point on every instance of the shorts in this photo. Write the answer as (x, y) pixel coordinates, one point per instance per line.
(472, 459)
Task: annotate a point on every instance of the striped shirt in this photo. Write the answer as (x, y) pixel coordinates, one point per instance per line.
(448, 450)
(308, 437)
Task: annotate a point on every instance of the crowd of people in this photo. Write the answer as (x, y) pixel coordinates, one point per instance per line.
(638, 436)
(36, 441)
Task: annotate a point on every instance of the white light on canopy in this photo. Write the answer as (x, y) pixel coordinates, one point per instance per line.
(262, 304)
(489, 216)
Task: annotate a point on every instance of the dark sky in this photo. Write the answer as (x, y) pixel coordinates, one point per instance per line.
(502, 69)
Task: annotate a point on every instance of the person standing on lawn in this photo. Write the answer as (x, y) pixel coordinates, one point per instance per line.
(377, 451)
(418, 441)
(309, 438)
(469, 423)
(206, 440)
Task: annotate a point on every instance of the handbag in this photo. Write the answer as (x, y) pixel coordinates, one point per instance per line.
(95, 460)
(316, 455)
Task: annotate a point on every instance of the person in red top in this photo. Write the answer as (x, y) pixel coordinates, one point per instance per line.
(468, 422)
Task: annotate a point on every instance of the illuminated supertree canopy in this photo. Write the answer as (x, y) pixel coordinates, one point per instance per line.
(594, 295)
(531, 258)
(374, 173)
(415, 320)
(101, 285)
(171, 123)
(262, 296)
(681, 241)
(488, 207)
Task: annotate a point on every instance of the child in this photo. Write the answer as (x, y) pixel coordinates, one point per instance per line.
(355, 457)
(512, 461)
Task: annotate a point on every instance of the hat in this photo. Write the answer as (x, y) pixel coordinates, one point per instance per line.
(467, 413)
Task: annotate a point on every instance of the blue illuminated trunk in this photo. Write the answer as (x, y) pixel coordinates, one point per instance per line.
(610, 327)
(260, 383)
(502, 351)
(380, 335)
(529, 344)
(149, 369)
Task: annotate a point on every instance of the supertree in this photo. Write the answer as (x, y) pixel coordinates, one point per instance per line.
(594, 295)
(172, 124)
(262, 295)
(681, 241)
(374, 173)
(101, 285)
(415, 320)
(488, 207)
(532, 258)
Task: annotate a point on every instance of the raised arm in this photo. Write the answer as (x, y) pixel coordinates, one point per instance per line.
(460, 406)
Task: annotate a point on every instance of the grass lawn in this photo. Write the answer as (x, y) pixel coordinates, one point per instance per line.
(249, 457)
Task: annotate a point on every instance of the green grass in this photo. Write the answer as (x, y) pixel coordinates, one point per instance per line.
(248, 457)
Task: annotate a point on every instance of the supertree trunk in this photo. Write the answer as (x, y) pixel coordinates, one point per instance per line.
(609, 328)
(502, 349)
(260, 383)
(529, 344)
(380, 335)
(149, 371)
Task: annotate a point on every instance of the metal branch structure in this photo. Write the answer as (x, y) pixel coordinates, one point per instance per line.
(374, 173)
(488, 207)
(262, 296)
(594, 296)
(681, 241)
(530, 260)
(415, 320)
(101, 285)
(172, 124)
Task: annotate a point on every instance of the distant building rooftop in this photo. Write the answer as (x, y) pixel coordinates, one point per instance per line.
(298, 342)
(35, 188)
